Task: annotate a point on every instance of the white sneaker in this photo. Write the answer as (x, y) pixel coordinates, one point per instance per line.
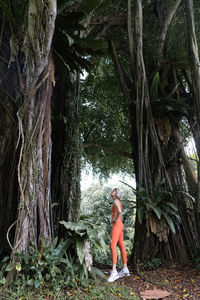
(124, 272)
(113, 276)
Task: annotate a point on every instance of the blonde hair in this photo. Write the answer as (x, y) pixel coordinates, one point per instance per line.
(118, 193)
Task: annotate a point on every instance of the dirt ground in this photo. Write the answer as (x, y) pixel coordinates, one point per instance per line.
(182, 282)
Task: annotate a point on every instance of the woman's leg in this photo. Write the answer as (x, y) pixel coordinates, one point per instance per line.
(117, 239)
(121, 246)
(115, 233)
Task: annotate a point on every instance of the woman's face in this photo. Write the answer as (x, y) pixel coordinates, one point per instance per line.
(112, 194)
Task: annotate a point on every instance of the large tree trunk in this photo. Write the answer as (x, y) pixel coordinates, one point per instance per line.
(150, 161)
(188, 215)
(146, 140)
(34, 166)
(8, 153)
(66, 151)
(195, 70)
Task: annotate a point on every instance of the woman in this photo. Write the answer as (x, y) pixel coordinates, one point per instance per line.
(117, 237)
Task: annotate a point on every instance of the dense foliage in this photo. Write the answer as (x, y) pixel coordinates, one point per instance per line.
(133, 113)
(105, 130)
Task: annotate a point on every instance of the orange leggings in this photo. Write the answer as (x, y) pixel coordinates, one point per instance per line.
(117, 240)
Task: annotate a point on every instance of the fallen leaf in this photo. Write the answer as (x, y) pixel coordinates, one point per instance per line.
(154, 294)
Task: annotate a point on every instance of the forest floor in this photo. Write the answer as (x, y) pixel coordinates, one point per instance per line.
(179, 282)
(166, 282)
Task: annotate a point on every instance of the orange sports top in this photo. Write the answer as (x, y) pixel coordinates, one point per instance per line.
(114, 212)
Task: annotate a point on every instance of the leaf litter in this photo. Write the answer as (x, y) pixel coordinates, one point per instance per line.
(169, 282)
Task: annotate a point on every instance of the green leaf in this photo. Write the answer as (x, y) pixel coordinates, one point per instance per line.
(79, 227)
(166, 208)
(173, 91)
(159, 195)
(6, 258)
(155, 209)
(57, 270)
(80, 248)
(157, 212)
(37, 283)
(10, 267)
(62, 247)
(47, 276)
(55, 241)
(98, 272)
(187, 194)
(18, 267)
(41, 277)
(169, 221)
(65, 261)
(2, 281)
(91, 233)
(154, 87)
(172, 205)
(101, 237)
(169, 108)
(70, 39)
(176, 216)
(30, 282)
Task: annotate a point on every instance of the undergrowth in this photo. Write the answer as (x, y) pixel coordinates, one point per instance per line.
(97, 289)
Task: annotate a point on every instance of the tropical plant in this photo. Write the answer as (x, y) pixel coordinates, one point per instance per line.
(85, 230)
(163, 106)
(153, 264)
(72, 47)
(60, 264)
(159, 211)
(52, 268)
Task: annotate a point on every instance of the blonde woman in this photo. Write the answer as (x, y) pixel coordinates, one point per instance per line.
(117, 238)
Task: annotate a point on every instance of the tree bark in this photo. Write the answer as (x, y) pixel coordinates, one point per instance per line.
(34, 166)
(195, 70)
(166, 24)
(66, 151)
(147, 146)
(8, 154)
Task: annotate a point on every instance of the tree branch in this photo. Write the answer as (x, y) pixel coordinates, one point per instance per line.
(130, 33)
(165, 28)
(122, 153)
(125, 81)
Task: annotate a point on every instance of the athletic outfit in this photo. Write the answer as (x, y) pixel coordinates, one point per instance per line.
(117, 240)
